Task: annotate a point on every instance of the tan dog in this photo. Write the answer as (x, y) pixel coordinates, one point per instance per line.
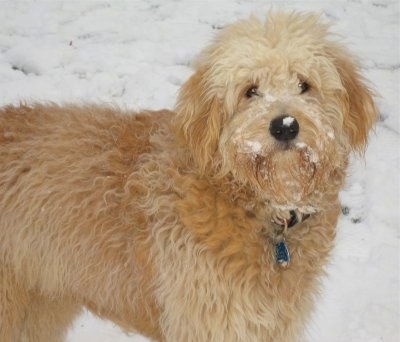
(211, 224)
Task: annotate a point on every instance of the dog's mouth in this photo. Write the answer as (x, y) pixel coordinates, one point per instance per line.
(289, 160)
(296, 151)
(284, 171)
(284, 145)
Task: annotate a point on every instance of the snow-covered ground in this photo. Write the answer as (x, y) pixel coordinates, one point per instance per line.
(137, 54)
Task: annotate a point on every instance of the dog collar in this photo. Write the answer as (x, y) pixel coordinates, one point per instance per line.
(293, 220)
(282, 253)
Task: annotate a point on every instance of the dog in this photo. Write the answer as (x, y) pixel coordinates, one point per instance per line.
(212, 222)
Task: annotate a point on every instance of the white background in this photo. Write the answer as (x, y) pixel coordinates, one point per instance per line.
(137, 54)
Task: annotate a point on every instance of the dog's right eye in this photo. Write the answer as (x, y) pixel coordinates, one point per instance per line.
(252, 91)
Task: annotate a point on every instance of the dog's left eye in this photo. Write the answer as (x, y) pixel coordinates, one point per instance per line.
(252, 91)
(304, 87)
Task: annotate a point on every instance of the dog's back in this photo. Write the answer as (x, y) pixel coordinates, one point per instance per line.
(62, 177)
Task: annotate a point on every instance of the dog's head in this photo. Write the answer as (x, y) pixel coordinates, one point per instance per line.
(278, 105)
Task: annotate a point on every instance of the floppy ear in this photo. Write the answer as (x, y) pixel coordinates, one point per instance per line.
(361, 112)
(199, 119)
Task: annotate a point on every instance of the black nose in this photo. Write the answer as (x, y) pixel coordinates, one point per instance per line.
(284, 128)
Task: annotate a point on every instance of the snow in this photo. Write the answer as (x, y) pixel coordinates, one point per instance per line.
(137, 54)
(254, 146)
(269, 99)
(287, 121)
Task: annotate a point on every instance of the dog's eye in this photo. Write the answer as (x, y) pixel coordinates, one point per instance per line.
(252, 91)
(304, 87)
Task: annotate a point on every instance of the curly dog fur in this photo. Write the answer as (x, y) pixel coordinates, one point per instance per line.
(166, 222)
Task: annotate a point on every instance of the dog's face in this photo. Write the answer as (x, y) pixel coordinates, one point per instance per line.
(278, 106)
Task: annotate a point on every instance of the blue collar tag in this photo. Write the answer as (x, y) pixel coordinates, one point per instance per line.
(282, 254)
